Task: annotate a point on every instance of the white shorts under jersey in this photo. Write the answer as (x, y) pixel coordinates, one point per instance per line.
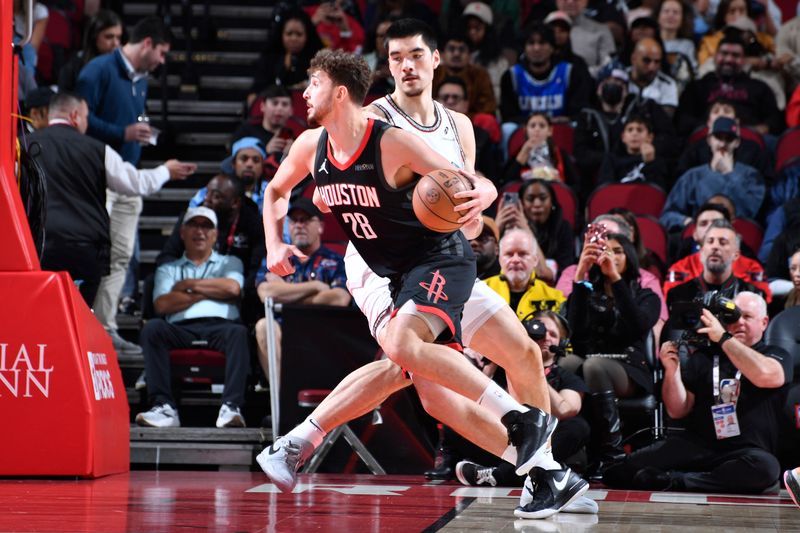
(370, 291)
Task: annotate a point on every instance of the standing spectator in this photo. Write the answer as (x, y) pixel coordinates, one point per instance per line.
(197, 295)
(319, 279)
(741, 183)
(754, 100)
(647, 78)
(456, 62)
(538, 209)
(337, 29)
(517, 284)
(591, 40)
(115, 87)
(720, 249)
(103, 35)
(611, 316)
(287, 54)
(712, 455)
(40, 17)
(78, 170)
(539, 156)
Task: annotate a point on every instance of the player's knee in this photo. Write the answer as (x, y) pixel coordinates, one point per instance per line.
(399, 345)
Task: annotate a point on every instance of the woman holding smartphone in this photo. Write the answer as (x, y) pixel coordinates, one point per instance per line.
(611, 316)
(537, 206)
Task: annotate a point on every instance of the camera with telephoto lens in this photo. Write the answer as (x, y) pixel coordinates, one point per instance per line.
(687, 315)
(537, 331)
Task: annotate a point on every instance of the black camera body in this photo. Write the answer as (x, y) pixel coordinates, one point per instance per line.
(688, 316)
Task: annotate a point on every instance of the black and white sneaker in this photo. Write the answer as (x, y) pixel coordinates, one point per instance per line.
(529, 432)
(555, 490)
(474, 475)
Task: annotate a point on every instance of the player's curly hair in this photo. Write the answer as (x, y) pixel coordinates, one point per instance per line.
(345, 69)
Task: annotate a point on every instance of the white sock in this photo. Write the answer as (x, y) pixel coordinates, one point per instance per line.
(548, 462)
(510, 455)
(498, 401)
(309, 430)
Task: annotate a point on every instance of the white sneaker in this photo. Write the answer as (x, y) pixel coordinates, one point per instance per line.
(160, 416)
(230, 417)
(281, 461)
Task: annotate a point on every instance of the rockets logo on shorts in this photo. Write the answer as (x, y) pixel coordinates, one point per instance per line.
(435, 288)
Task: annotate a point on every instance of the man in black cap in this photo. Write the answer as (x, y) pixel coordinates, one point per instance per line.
(743, 184)
(318, 278)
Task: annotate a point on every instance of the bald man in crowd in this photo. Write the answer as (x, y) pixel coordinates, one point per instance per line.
(648, 80)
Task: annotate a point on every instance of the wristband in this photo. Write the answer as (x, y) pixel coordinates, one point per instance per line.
(724, 338)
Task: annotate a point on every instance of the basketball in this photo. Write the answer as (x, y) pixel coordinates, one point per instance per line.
(433, 200)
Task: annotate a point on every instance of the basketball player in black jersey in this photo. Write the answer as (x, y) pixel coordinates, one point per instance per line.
(366, 170)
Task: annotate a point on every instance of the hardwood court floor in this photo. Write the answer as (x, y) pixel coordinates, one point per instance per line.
(245, 502)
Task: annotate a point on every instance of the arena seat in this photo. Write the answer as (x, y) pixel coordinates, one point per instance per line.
(653, 236)
(788, 151)
(563, 137)
(640, 198)
(751, 135)
(751, 232)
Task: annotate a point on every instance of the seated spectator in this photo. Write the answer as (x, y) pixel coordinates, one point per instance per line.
(689, 265)
(456, 62)
(246, 163)
(562, 25)
(636, 160)
(377, 57)
(517, 283)
(536, 206)
(611, 316)
(102, 35)
(748, 152)
(338, 29)
(717, 452)
(538, 83)
(741, 183)
(590, 39)
(783, 248)
(318, 279)
(754, 101)
(197, 295)
(539, 156)
(793, 297)
(566, 391)
(486, 50)
(486, 248)
(647, 78)
(240, 233)
(675, 28)
(287, 54)
(272, 132)
(720, 249)
(648, 260)
(730, 14)
(787, 45)
(599, 130)
(452, 94)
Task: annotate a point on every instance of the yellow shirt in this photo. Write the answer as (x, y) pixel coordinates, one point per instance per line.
(538, 296)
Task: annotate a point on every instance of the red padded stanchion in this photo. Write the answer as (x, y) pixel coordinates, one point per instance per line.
(65, 410)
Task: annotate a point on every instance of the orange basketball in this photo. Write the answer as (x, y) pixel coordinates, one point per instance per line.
(433, 199)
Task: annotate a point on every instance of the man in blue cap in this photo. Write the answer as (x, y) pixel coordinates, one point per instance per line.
(246, 162)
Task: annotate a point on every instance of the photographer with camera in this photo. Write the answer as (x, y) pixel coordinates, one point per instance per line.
(731, 394)
(611, 316)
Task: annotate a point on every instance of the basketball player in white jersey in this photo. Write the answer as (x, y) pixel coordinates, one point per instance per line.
(489, 325)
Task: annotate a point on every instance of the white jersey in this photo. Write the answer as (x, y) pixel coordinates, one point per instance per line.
(442, 136)
(371, 292)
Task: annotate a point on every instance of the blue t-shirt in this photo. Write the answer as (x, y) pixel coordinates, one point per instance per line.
(323, 265)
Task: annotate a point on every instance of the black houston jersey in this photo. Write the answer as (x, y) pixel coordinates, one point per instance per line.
(378, 219)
